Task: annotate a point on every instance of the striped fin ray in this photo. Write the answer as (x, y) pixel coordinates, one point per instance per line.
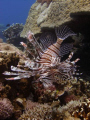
(33, 41)
(65, 48)
(20, 76)
(17, 69)
(69, 57)
(10, 73)
(63, 32)
(47, 39)
(13, 78)
(25, 47)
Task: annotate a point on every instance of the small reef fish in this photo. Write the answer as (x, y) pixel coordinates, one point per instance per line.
(48, 63)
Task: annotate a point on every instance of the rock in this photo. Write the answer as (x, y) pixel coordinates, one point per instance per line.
(58, 12)
(12, 35)
(6, 108)
(8, 56)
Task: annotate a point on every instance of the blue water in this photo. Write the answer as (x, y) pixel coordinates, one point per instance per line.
(14, 11)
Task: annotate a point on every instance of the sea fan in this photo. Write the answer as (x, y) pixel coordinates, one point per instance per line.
(48, 63)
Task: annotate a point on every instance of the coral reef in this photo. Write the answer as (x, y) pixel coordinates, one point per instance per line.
(58, 12)
(4, 90)
(13, 31)
(6, 108)
(82, 111)
(66, 112)
(48, 89)
(12, 34)
(37, 111)
(8, 56)
(77, 110)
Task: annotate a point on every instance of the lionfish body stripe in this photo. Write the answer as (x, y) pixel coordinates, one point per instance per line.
(51, 52)
(48, 63)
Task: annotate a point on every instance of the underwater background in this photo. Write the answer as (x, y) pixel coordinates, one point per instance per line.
(13, 11)
(45, 60)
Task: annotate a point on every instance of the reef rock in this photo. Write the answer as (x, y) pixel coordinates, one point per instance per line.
(8, 56)
(6, 108)
(13, 31)
(12, 35)
(57, 12)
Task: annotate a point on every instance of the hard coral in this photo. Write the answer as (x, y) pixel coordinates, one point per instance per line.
(6, 108)
(83, 110)
(8, 56)
(37, 112)
(60, 113)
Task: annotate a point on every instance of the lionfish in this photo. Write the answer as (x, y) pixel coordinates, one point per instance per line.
(48, 63)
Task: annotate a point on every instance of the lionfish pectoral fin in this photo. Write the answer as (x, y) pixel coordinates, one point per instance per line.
(63, 32)
(14, 78)
(10, 73)
(16, 69)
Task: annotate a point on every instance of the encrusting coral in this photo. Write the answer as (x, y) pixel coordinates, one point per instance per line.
(6, 108)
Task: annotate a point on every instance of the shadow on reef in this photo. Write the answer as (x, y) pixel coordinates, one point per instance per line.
(81, 24)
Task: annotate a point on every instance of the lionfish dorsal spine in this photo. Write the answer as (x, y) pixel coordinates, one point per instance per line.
(33, 41)
(63, 32)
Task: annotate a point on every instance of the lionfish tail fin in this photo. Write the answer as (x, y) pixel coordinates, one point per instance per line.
(63, 32)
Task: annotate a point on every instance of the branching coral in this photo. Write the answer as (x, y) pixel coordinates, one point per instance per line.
(82, 111)
(6, 108)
